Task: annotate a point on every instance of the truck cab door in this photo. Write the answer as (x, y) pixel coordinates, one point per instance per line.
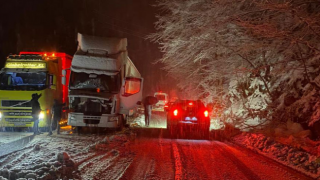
(130, 94)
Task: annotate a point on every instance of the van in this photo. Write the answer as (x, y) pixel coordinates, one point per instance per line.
(163, 99)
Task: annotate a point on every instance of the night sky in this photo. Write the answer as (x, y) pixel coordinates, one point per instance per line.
(52, 26)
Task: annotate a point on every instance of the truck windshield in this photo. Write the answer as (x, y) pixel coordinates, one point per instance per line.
(93, 81)
(27, 81)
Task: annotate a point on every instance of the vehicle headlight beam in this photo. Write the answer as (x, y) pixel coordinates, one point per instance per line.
(41, 115)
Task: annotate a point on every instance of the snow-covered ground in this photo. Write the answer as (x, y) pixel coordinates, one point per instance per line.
(301, 157)
(59, 156)
(7, 137)
(109, 155)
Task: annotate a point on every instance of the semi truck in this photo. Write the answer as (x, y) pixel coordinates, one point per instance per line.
(25, 74)
(105, 86)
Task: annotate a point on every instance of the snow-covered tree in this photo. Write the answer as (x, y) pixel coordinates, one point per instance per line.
(252, 46)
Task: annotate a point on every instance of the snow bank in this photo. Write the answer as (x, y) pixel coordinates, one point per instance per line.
(294, 157)
(291, 129)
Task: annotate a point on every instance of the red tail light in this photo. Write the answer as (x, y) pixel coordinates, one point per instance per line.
(175, 112)
(206, 113)
(190, 103)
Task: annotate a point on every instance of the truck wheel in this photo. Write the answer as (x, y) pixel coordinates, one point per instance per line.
(76, 129)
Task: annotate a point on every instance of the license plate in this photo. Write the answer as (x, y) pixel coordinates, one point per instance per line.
(190, 119)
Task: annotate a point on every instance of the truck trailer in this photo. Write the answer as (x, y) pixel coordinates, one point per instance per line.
(24, 75)
(104, 83)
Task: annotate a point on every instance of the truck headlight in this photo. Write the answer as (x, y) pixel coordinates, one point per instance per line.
(41, 115)
(0, 115)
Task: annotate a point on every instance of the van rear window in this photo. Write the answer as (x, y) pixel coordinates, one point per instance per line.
(161, 97)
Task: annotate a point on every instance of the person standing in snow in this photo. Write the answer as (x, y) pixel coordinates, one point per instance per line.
(56, 113)
(147, 103)
(35, 105)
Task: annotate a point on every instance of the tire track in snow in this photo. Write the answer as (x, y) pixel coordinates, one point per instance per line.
(116, 168)
(212, 163)
(177, 162)
(94, 166)
(86, 163)
(152, 159)
(12, 157)
(143, 164)
(249, 174)
(91, 169)
(199, 159)
(17, 155)
(191, 159)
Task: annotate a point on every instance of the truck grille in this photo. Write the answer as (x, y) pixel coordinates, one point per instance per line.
(93, 109)
(15, 103)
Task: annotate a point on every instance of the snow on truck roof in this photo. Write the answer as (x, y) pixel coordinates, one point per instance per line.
(108, 45)
(100, 55)
(83, 62)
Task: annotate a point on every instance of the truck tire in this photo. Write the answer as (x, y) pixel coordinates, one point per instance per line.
(77, 129)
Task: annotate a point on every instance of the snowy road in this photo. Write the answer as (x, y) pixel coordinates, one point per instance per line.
(141, 153)
(200, 159)
(130, 156)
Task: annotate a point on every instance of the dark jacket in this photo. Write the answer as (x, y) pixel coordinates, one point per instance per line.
(56, 110)
(35, 105)
(149, 100)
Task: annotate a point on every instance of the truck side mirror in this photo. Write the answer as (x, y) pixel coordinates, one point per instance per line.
(132, 86)
(63, 80)
(64, 72)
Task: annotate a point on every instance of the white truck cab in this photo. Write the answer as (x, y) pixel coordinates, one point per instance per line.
(104, 83)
